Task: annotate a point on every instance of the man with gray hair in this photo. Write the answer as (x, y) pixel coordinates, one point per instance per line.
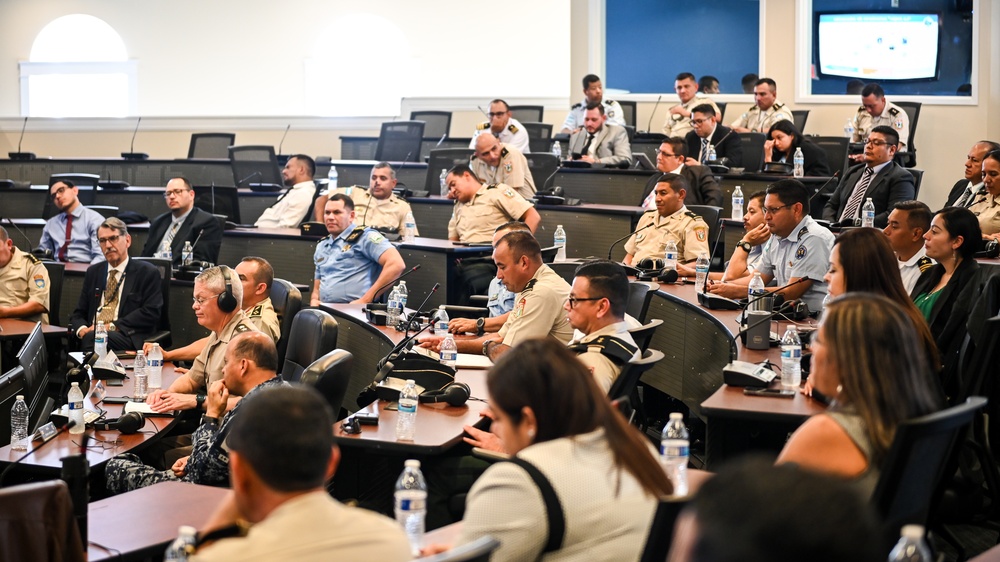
(123, 293)
(218, 296)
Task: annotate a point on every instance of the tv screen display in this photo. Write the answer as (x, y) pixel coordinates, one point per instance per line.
(878, 46)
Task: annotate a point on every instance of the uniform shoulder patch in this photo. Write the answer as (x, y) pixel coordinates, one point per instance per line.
(512, 128)
(800, 252)
(509, 193)
(701, 232)
(483, 126)
(375, 237)
(925, 263)
(39, 281)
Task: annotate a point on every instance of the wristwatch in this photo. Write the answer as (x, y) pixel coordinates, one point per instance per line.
(199, 400)
(480, 326)
(745, 245)
(486, 347)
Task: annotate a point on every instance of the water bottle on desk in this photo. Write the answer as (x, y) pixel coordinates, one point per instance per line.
(183, 546)
(737, 204)
(674, 451)
(868, 214)
(701, 272)
(711, 153)
(557, 149)
(141, 373)
(19, 425)
(911, 546)
(444, 182)
(187, 254)
(441, 322)
(798, 163)
(101, 340)
(449, 351)
(154, 367)
(75, 402)
(406, 418)
(331, 178)
(560, 242)
(755, 292)
(670, 255)
(849, 129)
(409, 227)
(392, 309)
(411, 504)
(791, 359)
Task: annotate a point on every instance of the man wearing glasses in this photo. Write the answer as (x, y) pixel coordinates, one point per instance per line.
(879, 178)
(670, 159)
(708, 133)
(502, 126)
(71, 236)
(799, 248)
(183, 223)
(124, 293)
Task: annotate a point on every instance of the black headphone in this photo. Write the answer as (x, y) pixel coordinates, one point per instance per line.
(128, 424)
(651, 269)
(226, 300)
(454, 393)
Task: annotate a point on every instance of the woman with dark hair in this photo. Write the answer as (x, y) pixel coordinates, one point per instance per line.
(987, 208)
(549, 413)
(868, 357)
(784, 138)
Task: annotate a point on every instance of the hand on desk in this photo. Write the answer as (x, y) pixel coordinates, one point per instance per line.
(484, 439)
(180, 467)
(729, 290)
(163, 401)
(432, 343)
(432, 549)
(462, 325)
(807, 388)
(587, 158)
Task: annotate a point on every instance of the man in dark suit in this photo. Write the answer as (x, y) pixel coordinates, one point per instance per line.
(600, 142)
(967, 190)
(670, 159)
(184, 223)
(707, 132)
(879, 178)
(125, 293)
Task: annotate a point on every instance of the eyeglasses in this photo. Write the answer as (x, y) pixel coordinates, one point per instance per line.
(112, 239)
(574, 300)
(173, 193)
(700, 121)
(666, 155)
(58, 192)
(201, 301)
(774, 210)
(875, 142)
(493, 114)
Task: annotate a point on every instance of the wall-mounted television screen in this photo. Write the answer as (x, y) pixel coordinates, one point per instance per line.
(878, 46)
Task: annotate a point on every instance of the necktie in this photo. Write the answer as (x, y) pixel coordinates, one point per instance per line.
(966, 199)
(586, 145)
(69, 236)
(168, 238)
(704, 150)
(107, 312)
(859, 193)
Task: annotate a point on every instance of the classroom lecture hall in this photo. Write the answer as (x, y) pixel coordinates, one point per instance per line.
(622, 280)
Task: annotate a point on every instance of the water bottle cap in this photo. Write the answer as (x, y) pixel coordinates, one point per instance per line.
(75, 385)
(913, 531)
(410, 381)
(21, 396)
(187, 530)
(441, 307)
(676, 416)
(412, 463)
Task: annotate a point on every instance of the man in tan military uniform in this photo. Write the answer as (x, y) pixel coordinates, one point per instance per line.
(767, 111)
(188, 392)
(377, 206)
(501, 125)
(256, 275)
(496, 163)
(24, 283)
(538, 309)
(875, 110)
(480, 209)
(672, 221)
(987, 210)
(678, 122)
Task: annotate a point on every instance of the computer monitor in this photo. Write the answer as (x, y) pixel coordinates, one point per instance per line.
(218, 200)
(33, 359)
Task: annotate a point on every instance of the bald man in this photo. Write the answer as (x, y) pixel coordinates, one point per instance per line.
(496, 162)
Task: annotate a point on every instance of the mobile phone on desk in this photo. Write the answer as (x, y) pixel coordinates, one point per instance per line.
(116, 399)
(772, 392)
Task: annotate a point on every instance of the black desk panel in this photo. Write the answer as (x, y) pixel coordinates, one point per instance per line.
(752, 183)
(359, 172)
(603, 186)
(134, 172)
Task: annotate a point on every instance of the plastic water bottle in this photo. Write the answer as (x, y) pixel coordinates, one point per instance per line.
(75, 402)
(711, 153)
(403, 294)
(560, 241)
(183, 545)
(19, 425)
(756, 290)
(737, 204)
(411, 504)
(331, 178)
(449, 351)
(409, 227)
(441, 322)
(393, 308)
(444, 182)
(141, 373)
(557, 149)
(674, 450)
(791, 359)
(101, 340)
(799, 163)
(187, 254)
(868, 214)
(911, 546)
(849, 129)
(670, 255)
(154, 366)
(406, 420)
(701, 272)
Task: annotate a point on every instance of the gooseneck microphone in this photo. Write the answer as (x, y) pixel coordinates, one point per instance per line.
(626, 237)
(21, 155)
(653, 114)
(282, 142)
(248, 178)
(21, 232)
(132, 154)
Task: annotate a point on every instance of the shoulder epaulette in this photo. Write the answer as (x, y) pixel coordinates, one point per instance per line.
(241, 327)
(355, 235)
(609, 102)
(893, 111)
(860, 109)
(32, 258)
(492, 186)
(503, 152)
(778, 105)
(483, 126)
(616, 349)
(804, 230)
(257, 310)
(693, 215)
(925, 263)
(528, 286)
(512, 128)
(576, 106)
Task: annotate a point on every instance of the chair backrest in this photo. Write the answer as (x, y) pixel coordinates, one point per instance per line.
(722, 111)
(524, 113)
(287, 301)
(799, 118)
(478, 550)
(539, 136)
(37, 523)
(165, 267)
(836, 149)
(920, 457)
(543, 168)
(918, 177)
(313, 334)
(437, 124)
(211, 145)
(549, 254)
(661, 532)
(912, 109)
(644, 334)
(630, 131)
(56, 272)
(399, 141)
(632, 372)
(713, 217)
(329, 375)
(87, 184)
(639, 295)
(443, 159)
(628, 109)
(106, 211)
(753, 150)
(254, 164)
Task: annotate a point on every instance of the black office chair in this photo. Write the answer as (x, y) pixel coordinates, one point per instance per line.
(211, 145)
(753, 151)
(713, 217)
(836, 149)
(162, 335)
(630, 131)
(640, 293)
(56, 272)
(918, 177)
(254, 165)
(628, 381)
(86, 183)
(399, 141)
(329, 375)
(628, 108)
(549, 254)
(543, 168)
(644, 334)
(37, 523)
(287, 301)
(443, 159)
(106, 211)
(565, 269)
(313, 334)
(523, 113)
(722, 110)
(478, 550)
(912, 109)
(437, 124)
(539, 136)
(799, 118)
(661, 533)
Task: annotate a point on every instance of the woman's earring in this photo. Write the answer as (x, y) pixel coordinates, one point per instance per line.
(531, 433)
(840, 388)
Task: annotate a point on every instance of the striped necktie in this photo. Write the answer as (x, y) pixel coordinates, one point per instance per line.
(854, 203)
(168, 238)
(704, 150)
(966, 199)
(107, 312)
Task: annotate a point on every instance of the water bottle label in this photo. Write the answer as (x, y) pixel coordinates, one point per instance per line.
(791, 352)
(701, 269)
(153, 363)
(407, 406)
(674, 448)
(76, 405)
(441, 327)
(449, 356)
(412, 501)
(670, 256)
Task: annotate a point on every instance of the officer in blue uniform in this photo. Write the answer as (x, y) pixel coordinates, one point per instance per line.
(349, 260)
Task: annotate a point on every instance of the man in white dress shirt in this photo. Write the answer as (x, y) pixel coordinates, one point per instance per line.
(908, 221)
(290, 209)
